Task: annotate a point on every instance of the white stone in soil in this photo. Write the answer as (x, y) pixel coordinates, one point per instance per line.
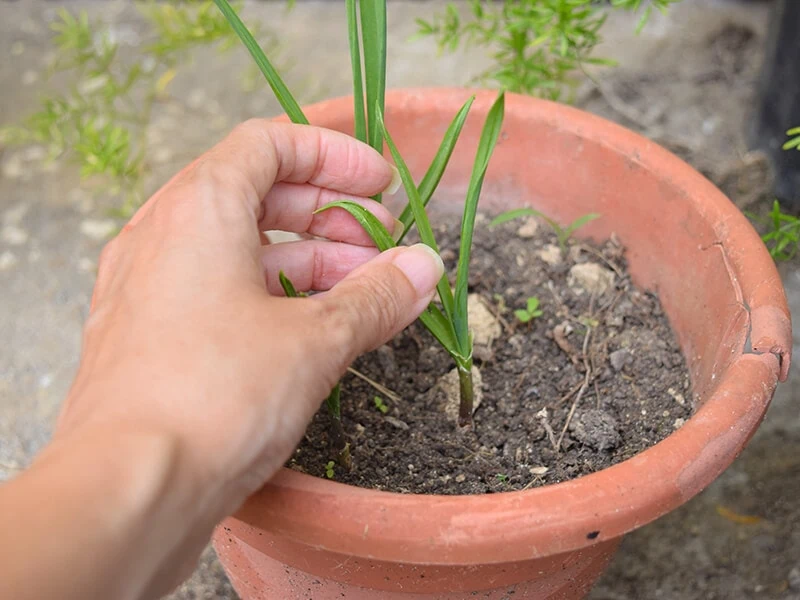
(590, 278)
(677, 396)
(550, 254)
(528, 228)
(484, 325)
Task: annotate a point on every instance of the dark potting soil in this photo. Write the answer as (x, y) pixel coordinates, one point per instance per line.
(594, 380)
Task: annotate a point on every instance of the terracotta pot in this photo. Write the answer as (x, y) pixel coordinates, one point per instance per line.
(302, 537)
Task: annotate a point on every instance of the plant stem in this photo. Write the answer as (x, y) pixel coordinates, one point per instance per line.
(338, 440)
(466, 393)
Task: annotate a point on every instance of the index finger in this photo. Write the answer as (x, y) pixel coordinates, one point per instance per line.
(259, 153)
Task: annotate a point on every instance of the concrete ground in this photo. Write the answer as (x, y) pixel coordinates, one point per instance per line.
(687, 81)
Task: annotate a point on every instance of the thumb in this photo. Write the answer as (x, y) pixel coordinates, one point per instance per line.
(380, 298)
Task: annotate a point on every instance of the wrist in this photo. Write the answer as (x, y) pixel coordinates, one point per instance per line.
(112, 502)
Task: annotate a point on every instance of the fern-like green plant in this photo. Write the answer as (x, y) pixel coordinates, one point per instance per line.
(537, 47)
(101, 122)
(783, 230)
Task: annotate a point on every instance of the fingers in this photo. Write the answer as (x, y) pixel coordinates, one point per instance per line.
(327, 159)
(378, 300)
(242, 168)
(291, 206)
(260, 153)
(311, 264)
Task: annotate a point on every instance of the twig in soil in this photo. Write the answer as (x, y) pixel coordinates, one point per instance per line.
(382, 389)
(551, 435)
(562, 307)
(581, 391)
(517, 385)
(560, 336)
(569, 394)
(532, 481)
(610, 304)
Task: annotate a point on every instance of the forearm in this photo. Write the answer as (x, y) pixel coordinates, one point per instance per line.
(105, 513)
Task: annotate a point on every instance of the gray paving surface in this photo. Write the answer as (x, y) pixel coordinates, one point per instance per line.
(687, 81)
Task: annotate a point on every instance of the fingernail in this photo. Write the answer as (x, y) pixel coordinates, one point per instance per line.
(396, 182)
(399, 228)
(422, 266)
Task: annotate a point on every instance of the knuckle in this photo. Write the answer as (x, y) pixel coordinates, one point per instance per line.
(251, 126)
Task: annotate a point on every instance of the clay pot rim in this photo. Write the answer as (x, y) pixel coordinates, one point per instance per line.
(520, 525)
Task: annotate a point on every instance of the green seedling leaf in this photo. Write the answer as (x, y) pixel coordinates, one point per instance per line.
(486, 145)
(515, 213)
(530, 312)
(522, 315)
(434, 174)
(374, 228)
(418, 210)
(333, 402)
(580, 222)
(274, 80)
(380, 404)
(330, 469)
(373, 36)
(795, 141)
(441, 328)
(355, 63)
(783, 238)
(288, 286)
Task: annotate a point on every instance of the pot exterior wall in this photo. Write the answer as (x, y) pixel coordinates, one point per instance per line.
(265, 567)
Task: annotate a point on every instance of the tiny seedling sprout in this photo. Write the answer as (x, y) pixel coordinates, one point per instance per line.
(330, 469)
(794, 139)
(380, 404)
(530, 312)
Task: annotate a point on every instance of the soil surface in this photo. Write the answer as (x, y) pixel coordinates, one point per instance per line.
(592, 381)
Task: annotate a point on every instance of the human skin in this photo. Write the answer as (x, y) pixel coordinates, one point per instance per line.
(197, 378)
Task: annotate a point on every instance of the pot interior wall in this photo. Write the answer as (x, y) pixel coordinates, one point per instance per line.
(567, 169)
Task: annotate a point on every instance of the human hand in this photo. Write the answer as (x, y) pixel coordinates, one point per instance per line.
(188, 339)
